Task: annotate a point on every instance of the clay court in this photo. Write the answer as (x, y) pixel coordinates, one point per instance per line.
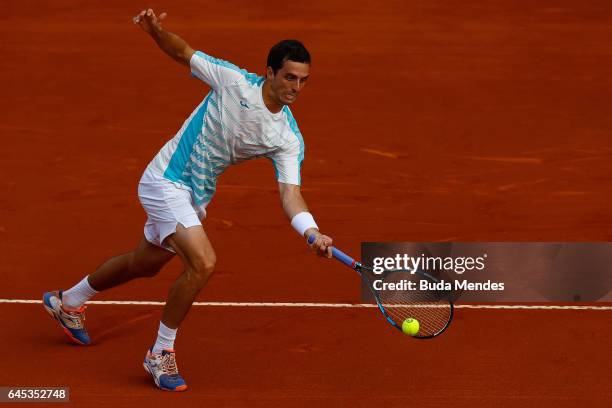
(423, 122)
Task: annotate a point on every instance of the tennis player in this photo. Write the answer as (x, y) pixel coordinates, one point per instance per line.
(244, 116)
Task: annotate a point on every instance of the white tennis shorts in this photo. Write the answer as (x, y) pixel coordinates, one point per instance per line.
(166, 204)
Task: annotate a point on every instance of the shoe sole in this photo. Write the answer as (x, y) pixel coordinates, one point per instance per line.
(66, 331)
(177, 389)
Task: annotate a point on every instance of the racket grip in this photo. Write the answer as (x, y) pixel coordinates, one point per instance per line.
(338, 254)
(342, 257)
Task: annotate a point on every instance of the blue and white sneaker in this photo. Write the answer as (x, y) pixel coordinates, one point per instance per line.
(71, 321)
(164, 371)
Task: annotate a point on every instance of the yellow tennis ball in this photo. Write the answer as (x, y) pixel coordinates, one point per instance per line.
(410, 326)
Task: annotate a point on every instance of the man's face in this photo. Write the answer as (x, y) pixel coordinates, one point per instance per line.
(288, 81)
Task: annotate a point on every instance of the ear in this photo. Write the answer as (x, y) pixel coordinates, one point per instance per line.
(269, 73)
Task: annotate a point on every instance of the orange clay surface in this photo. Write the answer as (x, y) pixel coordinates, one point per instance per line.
(423, 121)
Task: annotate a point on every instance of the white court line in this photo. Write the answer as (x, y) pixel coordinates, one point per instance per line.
(320, 305)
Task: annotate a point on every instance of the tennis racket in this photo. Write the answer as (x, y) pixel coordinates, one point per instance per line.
(431, 306)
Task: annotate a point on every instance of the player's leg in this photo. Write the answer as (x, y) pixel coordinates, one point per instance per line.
(195, 250)
(198, 256)
(67, 306)
(146, 261)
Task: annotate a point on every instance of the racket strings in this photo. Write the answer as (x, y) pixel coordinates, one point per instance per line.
(430, 307)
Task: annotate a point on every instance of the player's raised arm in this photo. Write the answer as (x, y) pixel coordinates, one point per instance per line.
(170, 43)
(302, 221)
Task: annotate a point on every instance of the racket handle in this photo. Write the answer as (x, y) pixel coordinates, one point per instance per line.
(342, 257)
(338, 254)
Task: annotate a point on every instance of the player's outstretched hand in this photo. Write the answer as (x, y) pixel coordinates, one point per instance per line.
(148, 21)
(322, 244)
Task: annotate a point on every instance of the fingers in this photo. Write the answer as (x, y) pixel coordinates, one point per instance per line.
(325, 248)
(322, 246)
(138, 18)
(149, 16)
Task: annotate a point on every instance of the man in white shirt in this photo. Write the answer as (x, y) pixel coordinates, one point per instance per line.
(244, 116)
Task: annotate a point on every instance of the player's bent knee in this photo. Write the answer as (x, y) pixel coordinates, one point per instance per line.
(201, 269)
(206, 268)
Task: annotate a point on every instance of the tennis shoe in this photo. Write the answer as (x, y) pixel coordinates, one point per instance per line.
(164, 370)
(71, 321)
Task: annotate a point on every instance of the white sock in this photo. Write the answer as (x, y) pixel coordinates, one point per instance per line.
(77, 295)
(165, 338)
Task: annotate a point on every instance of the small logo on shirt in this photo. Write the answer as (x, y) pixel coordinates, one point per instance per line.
(244, 104)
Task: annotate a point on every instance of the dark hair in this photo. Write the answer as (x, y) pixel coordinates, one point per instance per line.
(287, 50)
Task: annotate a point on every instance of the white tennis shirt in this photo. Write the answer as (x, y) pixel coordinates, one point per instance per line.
(232, 124)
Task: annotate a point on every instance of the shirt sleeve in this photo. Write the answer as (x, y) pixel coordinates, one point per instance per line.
(287, 162)
(215, 72)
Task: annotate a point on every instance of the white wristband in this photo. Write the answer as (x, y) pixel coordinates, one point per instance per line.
(302, 222)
